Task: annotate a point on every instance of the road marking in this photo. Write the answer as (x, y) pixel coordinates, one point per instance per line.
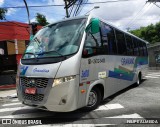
(72, 125)
(135, 115)
(114, 106)
(13, 109)
(151, 77)
(11, 104)
(101, 108)
(48, 125)
(153, 73)
(29, 115)
(15, 100)
(109, 107)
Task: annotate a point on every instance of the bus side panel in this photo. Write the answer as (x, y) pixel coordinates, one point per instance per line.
(114, 70)
(121, 73)
(118, 72)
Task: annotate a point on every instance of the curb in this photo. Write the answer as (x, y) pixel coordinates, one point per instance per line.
(7, 86)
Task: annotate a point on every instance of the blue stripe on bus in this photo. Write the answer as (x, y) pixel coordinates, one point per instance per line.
(121, 76)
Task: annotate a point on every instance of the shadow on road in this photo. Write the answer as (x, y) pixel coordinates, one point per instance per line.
(110, 98)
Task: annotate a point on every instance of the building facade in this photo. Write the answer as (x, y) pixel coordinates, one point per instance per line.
(14, 38)
(154, 55)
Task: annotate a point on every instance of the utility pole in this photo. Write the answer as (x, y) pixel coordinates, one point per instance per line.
(27, 10)
(66, 7)
(68, 4)
(29, 23)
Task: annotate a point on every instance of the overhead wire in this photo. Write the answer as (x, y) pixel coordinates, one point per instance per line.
(78, 4)
(136, 15)
(148, 7)
(70, 11)
(38, 11)
(156, 5)
(77, 7)
(82, 7)
(33, 6)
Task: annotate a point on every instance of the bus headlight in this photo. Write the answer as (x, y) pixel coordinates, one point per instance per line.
(62, 80)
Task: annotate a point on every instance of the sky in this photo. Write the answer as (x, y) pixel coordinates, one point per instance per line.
(131, 14)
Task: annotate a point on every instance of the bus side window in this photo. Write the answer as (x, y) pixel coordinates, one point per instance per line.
(129, 45)
(145, 49)
(104, 38)
(121, 43)
(108, 39)
(141, 51)
(136, 48)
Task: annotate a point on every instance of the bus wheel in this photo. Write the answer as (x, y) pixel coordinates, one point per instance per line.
(139, 79)
(94, 99)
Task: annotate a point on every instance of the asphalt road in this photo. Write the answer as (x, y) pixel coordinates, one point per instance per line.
(134, 103)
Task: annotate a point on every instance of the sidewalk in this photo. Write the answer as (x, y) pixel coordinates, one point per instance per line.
(11, 86)
(8, 93)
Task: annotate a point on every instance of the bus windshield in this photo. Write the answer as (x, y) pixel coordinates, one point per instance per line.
(56, 40)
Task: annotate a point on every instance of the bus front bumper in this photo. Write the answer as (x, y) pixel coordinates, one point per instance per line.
(60, 98)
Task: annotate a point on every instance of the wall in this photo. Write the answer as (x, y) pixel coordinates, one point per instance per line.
(153, 52)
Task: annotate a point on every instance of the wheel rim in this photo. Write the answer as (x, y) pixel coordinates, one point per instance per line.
(92, 99)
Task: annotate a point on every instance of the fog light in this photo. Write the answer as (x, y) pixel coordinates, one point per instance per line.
(63, 100)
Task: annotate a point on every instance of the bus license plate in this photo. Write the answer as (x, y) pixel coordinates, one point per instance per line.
(30, 90)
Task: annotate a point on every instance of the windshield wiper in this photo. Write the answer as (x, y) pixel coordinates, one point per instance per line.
(31, 54)
(36, 40)
(50, 52)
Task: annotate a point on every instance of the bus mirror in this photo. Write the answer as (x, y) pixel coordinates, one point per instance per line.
(93, 27)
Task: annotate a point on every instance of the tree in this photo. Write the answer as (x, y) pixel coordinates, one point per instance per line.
(151, 33)
(2, 13)
(41, 19)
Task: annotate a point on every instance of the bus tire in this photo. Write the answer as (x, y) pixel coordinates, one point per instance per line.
(139, 79)
(94, 99)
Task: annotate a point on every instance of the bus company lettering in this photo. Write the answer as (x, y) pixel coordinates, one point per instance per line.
(94, 61)
(125, 61)
(40, 70)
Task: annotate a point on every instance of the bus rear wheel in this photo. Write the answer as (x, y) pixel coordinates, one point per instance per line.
(94, 99)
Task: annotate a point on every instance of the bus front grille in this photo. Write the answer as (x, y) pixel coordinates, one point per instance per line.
(36, 97)
(34, 82)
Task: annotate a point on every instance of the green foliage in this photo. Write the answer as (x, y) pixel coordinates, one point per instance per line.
(150, 33)
(41, 19)
(2, 13)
